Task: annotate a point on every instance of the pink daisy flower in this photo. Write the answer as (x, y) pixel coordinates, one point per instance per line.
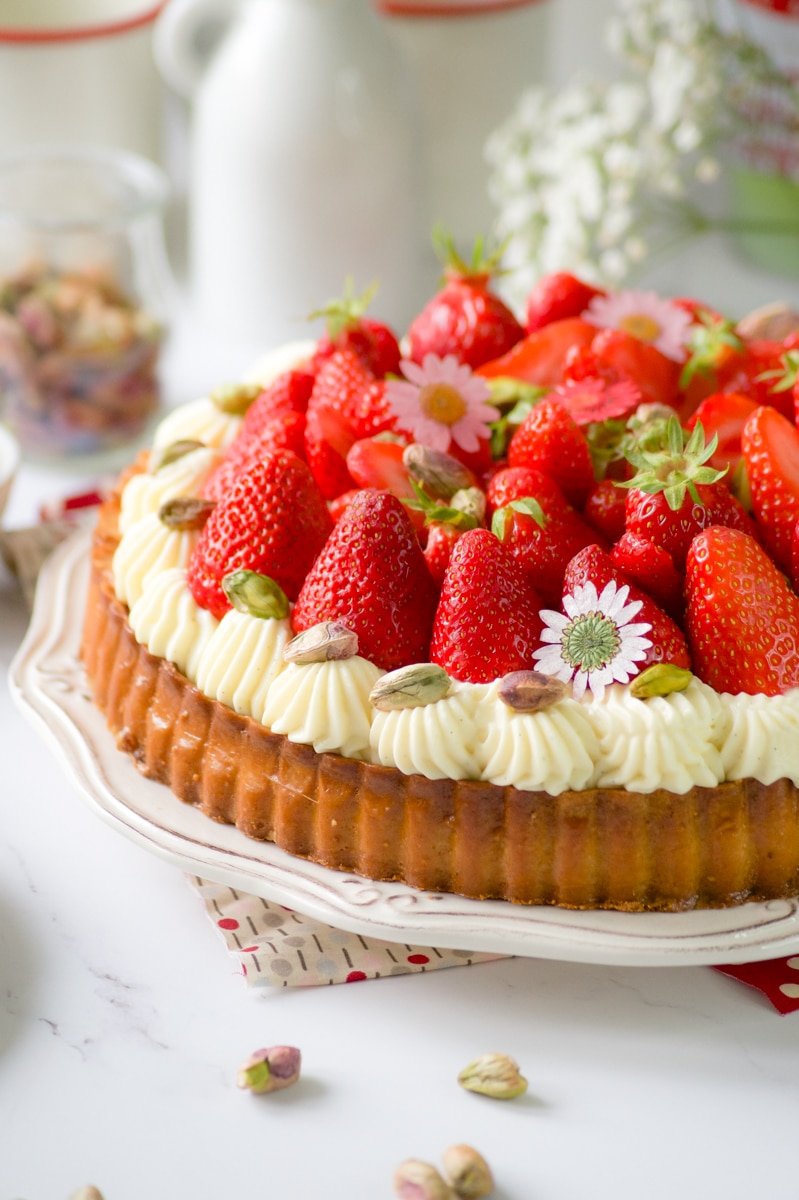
(593, 399)
(441, 402)
(644, 315)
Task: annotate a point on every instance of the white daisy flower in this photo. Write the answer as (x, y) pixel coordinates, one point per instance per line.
(593, 643)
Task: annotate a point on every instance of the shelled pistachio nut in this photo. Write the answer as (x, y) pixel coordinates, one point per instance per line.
(270, 1070)
(410, 687)
(185, 512)
(258, 595)
(235, 398)
(495, 1075)
(440, 473)
(661, 679)
(417, 1180)
(322, 643)
(468, 1172)
(530, 691)
(471, 501)
(174, 451)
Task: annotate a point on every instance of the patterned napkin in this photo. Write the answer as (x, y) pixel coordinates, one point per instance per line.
(274, 946)
(277, 947)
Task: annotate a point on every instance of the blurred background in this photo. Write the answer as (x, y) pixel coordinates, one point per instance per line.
(183, 183)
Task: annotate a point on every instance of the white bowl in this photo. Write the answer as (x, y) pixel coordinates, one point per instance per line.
(9, 464)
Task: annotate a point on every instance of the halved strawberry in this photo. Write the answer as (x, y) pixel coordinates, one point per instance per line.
(595, 566)
(723, 415)
(373, 463)
(742, 617)
(550, 440)
(770, 446)
(487, 621)
(540, 357)
(656, 376)
(371, 576)
(273, 521)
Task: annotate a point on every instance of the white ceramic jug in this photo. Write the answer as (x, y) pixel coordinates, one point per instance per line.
(303, 163)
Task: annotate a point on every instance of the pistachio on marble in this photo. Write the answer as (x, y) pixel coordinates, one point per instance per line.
(417, 1180)
(185, 512)
(530, 691)
(235, 398)
(495, 1075)
(661, 679)
(174, 451)
(322, 643)
(770, 322)
(255, 594)
(410, 687)
(438, 472)
(468, 1172)
(270, 1070)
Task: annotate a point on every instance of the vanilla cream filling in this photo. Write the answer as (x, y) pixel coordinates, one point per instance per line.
(146, 492)
(691, 738)
(240, 660)
(436, 740)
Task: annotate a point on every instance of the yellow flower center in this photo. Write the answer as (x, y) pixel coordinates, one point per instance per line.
(442, 402)
(640, 326)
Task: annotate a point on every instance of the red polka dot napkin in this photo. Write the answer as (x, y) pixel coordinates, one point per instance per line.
(277, 947)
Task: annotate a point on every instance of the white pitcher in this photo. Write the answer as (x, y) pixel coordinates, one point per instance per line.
(303, 163)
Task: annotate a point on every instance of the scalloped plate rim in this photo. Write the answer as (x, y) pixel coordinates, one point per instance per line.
(49, 686)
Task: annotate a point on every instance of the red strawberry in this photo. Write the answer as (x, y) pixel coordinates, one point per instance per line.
(675, 495)
(441, 539)
(543, 539)
(742, 617)
(770, 446)
(723, 415)
(465, 318)
(550, 440)
(373, 463)
(336, 507)
(371, 575)
(284, 431)
(374, 342)
(512, 483)
(540, 357)
(273, 521)
(328, 438)
(795, 558)
(755, 372)
(605, 510)
(618, 355)
(650, 568)
(487, 621)
(668, 644)
(289, 392)
(556, 296)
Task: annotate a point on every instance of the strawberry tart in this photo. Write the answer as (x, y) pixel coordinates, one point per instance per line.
(507, 608)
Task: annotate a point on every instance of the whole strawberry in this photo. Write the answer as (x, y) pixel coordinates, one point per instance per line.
(674, 495)
(466, 317)
(770, 445)
(348, 328)
(284, 431)
(556, 296)
(742, 617)
(593, 565)
(273, 521)
(549, 440)
(487, 621)
(372, 577)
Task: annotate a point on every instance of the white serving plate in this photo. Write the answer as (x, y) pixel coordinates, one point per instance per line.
(50, 686)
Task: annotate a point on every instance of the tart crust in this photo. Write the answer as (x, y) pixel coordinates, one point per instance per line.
(601, 848)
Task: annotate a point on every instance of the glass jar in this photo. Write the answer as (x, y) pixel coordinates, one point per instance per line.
(85, 294)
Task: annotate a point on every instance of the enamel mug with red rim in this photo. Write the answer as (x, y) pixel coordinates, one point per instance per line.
(81, 72)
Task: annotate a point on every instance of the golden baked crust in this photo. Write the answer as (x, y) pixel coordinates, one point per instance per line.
(602, 848)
